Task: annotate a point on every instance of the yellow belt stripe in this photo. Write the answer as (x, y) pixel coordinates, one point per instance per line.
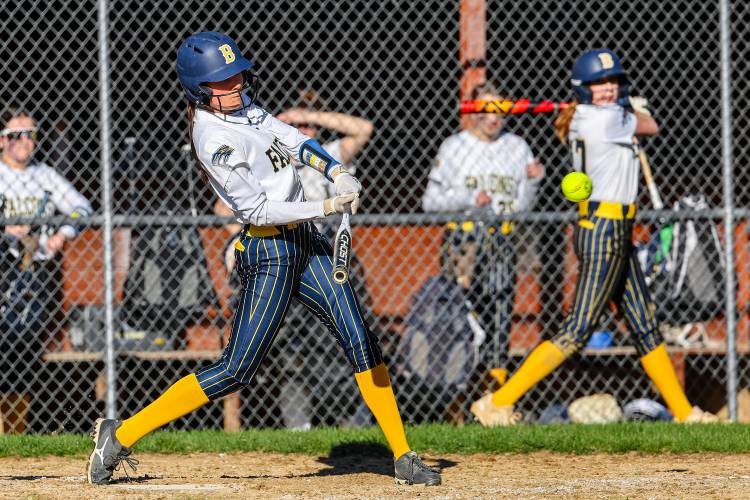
(608, 210)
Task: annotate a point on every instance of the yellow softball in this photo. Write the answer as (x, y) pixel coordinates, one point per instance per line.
(576, 186)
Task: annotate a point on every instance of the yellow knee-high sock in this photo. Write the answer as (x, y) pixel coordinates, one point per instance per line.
(659, 368)
(377, 392)
(184, 396)
(540, 363)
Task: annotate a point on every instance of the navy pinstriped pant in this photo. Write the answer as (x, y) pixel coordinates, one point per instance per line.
(608, 270)
(274, 269)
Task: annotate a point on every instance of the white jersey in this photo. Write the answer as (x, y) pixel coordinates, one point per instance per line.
(316, 185)
(250, 157)
(466, 165)
(22, 192)
(601, 140)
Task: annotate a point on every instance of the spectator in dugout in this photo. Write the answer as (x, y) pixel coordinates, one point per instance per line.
(28, 265)
(486, 171)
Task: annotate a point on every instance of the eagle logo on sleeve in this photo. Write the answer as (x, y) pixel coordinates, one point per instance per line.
(221, 155)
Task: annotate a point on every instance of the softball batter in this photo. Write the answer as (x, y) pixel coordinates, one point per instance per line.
(600, 131)
(249, 157)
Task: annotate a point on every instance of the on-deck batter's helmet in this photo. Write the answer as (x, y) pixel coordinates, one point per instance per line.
(210, 57)
(594, 65)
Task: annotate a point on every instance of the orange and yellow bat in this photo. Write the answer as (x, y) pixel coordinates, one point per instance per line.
(512, 107)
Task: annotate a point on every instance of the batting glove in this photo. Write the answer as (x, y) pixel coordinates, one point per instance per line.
(344, 182)
(639, 105)
(348, 202)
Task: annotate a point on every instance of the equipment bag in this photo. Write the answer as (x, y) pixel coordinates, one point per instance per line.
(684, 266)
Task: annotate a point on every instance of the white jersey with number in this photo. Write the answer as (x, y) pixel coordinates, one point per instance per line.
(316, 185)
(466, 165)
(601, 140)
(250, 157)
(22, 193)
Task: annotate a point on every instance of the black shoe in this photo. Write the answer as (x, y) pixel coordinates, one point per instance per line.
(411, 470)
(108, 452)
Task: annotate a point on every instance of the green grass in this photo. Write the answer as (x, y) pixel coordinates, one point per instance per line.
(578, 439)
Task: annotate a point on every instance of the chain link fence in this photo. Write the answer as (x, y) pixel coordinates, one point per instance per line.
(451, 295)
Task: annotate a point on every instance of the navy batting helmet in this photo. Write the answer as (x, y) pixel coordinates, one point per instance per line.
(210, 57)
(594, 65)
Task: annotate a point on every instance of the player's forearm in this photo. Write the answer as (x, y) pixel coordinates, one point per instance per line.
(342, 123)
(437, 200)
(645, 125)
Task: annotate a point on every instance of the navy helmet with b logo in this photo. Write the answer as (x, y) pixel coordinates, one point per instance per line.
(210, 57)
(595, 65)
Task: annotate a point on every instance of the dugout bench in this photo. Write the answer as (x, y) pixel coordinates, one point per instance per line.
(396, 267)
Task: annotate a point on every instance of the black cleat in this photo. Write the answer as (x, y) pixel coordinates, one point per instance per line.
(411, 470)
(108, 452)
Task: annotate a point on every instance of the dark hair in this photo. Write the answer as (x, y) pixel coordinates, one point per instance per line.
(11, 112)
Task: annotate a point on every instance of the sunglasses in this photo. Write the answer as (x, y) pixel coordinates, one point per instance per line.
(17, 134)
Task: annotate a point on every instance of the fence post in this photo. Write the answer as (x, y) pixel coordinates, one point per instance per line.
(726, 154)
(105, 138)
(473, 38)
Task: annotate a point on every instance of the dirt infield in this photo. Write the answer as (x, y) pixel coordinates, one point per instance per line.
(346, 475)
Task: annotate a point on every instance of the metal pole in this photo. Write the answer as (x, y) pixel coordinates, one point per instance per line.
(727, 170)
(105, 138)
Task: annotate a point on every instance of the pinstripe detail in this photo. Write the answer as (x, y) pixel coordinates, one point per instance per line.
(274, 328)
(598, 293)
(329, 318)
(228, 367)
(330, 308)
(609, 271)
(242, 268)
(253, 311)
(361, 337)
(585, 278)
(242, 308)
(313, 304)
(265, 302)
(318, 273)
(637, 311)
(597, 282)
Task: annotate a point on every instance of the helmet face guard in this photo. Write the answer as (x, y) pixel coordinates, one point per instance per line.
(209, 57)
(595, 65)
(248, 93)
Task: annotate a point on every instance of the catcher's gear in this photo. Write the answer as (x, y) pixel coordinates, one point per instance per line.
(594, 65)
(411, 470)
(108, 453)
(212, 57)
